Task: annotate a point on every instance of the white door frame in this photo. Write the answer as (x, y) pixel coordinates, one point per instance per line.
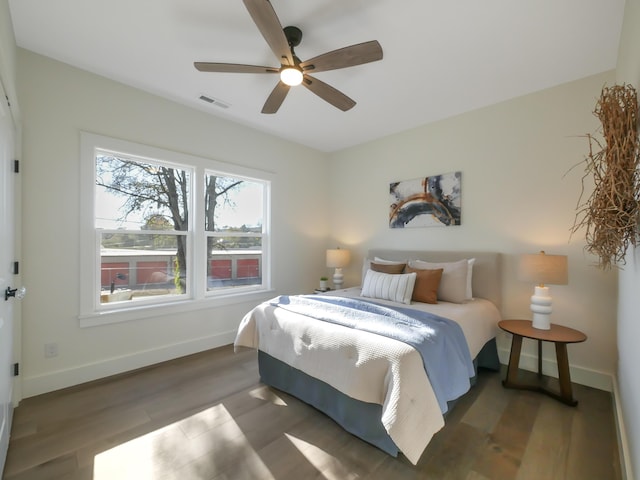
(10, 310)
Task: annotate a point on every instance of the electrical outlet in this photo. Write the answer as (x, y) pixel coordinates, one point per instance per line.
(50, 350)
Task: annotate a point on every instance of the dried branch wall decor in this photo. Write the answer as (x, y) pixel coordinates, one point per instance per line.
(611, 213)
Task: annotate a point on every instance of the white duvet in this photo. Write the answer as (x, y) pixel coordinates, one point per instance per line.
(369, 367)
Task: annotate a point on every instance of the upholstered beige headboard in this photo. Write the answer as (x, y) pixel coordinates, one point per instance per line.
(487, 270)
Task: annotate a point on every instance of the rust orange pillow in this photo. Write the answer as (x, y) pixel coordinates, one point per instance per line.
(426, 286)
(388, 268)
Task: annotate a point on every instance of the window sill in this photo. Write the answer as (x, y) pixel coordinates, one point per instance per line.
(148, 311)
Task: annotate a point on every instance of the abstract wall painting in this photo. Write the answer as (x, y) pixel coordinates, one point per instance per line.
(425, 202)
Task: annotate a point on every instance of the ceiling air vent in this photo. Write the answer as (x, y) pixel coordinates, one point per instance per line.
(213, 101)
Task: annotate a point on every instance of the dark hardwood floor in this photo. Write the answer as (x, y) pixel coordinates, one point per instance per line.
(207, 416)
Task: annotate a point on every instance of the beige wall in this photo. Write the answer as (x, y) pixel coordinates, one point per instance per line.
(628, 71)
(518, 196)
(57, 103)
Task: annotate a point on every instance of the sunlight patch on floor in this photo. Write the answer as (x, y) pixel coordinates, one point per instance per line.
(267, 395)
(204, 444)
(325, 463)
(130, 460)
(204, 421)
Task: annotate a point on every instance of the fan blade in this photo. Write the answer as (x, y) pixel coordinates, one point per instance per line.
(345, 57)
(276, 98)
(328, 93)
(232, 68)
(265, 18)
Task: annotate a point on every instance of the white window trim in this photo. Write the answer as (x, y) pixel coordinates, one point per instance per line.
(199, 298)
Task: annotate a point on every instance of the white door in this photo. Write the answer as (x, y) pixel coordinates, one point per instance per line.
(7, 230)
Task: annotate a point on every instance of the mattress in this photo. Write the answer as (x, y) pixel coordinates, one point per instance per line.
(361, 419)
(367, 367)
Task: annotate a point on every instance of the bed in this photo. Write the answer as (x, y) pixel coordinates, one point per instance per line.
(384, 389)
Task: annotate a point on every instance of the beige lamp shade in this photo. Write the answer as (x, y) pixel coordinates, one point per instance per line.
(338, 258)
(544, 269)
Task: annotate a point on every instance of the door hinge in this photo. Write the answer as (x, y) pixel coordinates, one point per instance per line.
(16, 166)
(16, 369)
(16, 268)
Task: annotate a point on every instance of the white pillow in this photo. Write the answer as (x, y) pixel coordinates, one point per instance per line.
(470, 263)
(387, 286)
(453, 285)
(388, 262)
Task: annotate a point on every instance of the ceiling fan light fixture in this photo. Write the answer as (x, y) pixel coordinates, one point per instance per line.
(292, 71)
(291, 76)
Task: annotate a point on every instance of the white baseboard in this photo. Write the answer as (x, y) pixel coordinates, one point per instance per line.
(583, 376)
(5, 430)
(625, 463)
(38, 384)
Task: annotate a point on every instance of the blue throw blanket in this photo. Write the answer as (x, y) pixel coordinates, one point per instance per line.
(439, 341)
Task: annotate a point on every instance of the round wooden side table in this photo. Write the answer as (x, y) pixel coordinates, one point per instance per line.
(557, 334)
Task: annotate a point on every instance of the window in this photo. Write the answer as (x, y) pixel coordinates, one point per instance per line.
(163, 228)
(234, 236)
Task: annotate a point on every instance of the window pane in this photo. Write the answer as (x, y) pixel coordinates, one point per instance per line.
(233, 204)
(234, 262)
(136, 266)
(139, 204)
(140, 195)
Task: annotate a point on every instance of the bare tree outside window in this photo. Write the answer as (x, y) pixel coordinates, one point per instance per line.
(154, 196)
(161, 228)
(149, 209)
(236, 231)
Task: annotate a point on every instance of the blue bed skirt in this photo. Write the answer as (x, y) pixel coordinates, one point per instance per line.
(358, 418)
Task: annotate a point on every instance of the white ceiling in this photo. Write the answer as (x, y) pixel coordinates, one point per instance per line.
(441, 57)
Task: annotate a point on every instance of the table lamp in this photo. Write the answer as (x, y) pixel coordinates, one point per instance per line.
(543, 269)
(338, 258)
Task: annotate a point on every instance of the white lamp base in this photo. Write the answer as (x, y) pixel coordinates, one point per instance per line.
(338, 279)
(541, 308)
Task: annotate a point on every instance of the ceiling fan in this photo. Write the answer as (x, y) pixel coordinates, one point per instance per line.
(293, 71)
